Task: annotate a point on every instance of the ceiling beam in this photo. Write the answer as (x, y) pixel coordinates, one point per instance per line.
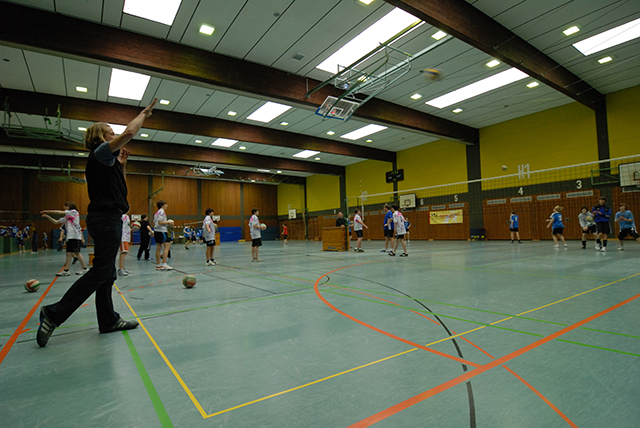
(96, 111)
(39, 30)
(189, 155)
(464, 22)
(31, 161)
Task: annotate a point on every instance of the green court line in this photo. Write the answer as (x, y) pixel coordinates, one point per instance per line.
(165, 421)
(602, 348)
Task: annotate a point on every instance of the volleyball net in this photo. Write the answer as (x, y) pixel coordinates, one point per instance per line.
(481, 209)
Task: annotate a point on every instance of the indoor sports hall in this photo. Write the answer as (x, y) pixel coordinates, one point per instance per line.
(499, 139)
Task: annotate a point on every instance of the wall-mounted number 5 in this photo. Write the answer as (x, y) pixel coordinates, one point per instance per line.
(421, 201)
(578, 184)
(455, 198)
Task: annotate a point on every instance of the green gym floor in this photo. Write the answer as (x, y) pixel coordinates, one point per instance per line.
(477, 334)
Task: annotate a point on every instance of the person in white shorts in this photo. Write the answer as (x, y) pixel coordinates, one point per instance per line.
(209, 235)
(124, 244)
(161, 236)
(398, 220)
(256, 236)
(75, 239)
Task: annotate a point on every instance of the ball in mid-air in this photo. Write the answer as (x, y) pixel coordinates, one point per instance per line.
(32, 285)
(432, 74)
(504, 167)
(189, 281)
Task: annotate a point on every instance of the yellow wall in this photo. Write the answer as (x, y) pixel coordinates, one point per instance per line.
(290, 195)
(623, 111)
(368, 176)
(556, 137)
(431, 164)
(323, 192)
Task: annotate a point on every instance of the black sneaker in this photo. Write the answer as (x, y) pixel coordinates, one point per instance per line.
(45, 330)
(75, 259)
(392, 253)
(122, 325)
(404, 255)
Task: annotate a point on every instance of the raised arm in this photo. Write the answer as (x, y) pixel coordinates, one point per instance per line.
(132, 128)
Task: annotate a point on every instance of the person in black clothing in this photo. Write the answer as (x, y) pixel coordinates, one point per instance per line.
(105, 174)
(145, 237)
(341, 221)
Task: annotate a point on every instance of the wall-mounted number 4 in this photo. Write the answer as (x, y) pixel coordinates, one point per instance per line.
(520, 191)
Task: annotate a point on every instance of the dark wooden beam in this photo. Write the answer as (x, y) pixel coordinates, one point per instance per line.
(465, 22)
(17, 160)
(96, 111)
(39, 30)
(189, 155)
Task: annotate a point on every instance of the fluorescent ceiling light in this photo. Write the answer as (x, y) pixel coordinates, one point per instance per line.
(224, 142)
(605, 60)
(253, 181)
(284, 123)
(485, 85)
(127, 84)
(232, 113)
(317, 158)
(387, 27)
(610, 38)
(416, 96)
(369, 141)
(207, 29)
(305, 154)
(268, 112)
(117, 129)
(458, 110)
(278, 172)
(264, 170)
(367, 2)
(363, 132)
(162, 11)
(81, 154)
(81, 89)
(82, 128)
(165, 102)
(439, 35)
(330, 133)
(144, 135)
(493, 63)
(198, 141)
(242, 148)
(532, 85)
(570, 31)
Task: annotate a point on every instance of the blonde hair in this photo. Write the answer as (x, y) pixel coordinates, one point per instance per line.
(558, 208)
(94, 136)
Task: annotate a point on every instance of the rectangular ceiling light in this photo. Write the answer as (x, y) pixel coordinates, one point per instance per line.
(387, 27)
(127, 84)
(485, 85)
(162, 11)
(118, 129)
(268, 112)
(305, 154)
(607, 39)
(224, 142)
(264, 170)
(363, 132)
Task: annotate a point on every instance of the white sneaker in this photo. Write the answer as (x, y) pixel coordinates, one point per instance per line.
(598, 247)
(565, 245)
(122, 272)
(166, 266)
(620, 249)
(82, 271)
(603, 249)
(160, 267)
(63, 273)
(556, 246)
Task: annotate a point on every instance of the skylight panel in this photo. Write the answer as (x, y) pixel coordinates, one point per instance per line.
(224, 142)
(162, 11)
(268, 112)
(127, 84)
(118, 129)
(305, 154)
(363, 132)
(610, 38)
(485, 85)
(385, 28)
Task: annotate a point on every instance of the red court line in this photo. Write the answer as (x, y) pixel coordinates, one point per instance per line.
(535, 391)
(393, 336)
(465, 377)
(5, 349)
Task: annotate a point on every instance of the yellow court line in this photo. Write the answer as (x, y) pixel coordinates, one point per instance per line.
(205, 415)
(166, 360)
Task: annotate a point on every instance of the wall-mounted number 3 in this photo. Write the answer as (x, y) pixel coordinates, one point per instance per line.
(578, 184)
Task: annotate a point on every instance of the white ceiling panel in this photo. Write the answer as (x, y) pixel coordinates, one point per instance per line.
(89, 10)
(193, 99)
(112, 12)
(83, 74)
(144, 26)
(243, 106)
(171, 91)
(14, 72)
(183, 20)
(216, 104)
(47, 73)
